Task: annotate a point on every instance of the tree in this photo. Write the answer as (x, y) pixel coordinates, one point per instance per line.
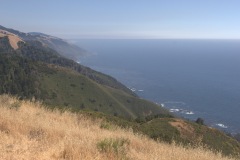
(200, 121)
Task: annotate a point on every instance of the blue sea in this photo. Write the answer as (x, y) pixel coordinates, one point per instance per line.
(191, 78)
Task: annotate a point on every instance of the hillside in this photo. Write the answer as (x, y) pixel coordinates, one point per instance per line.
(78, 92)
(29, 131)
(64, 48)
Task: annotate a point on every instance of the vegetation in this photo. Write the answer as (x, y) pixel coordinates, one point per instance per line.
(114, 147)
(169, 130)
(16, 76)
(200, 121)
(31, 131)
(5, 45)
(78, 92)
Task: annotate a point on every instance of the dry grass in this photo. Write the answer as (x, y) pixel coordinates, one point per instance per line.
(29, 131)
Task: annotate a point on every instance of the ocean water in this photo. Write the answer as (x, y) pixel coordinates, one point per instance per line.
(192, 78)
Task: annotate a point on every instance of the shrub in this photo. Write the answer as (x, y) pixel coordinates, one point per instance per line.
(140, 120)
(117, 146)
(200, 121)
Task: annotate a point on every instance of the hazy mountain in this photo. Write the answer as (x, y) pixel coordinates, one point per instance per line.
(63, 47)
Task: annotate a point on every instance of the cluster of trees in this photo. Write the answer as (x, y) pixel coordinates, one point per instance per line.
(151, 117)
(16, 76)
(5, 45)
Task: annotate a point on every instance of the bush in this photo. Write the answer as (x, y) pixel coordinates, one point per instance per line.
(140, 120)
(200, 121)
(116, 146)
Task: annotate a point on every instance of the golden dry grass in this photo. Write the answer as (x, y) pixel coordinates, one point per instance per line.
(30, 131)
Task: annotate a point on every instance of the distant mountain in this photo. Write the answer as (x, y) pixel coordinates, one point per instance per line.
(63, 47)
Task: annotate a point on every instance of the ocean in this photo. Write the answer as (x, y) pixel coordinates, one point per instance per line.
(191, 78)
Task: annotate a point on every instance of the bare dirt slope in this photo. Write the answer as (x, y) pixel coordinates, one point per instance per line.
(13, 39)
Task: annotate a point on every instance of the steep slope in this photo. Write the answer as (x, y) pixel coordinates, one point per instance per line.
(61, 46)
(64, 87)
(30, 131)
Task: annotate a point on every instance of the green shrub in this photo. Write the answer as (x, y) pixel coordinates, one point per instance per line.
(117, 146)
(200, 121)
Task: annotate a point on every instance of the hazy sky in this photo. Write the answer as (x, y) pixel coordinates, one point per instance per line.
(124, 18)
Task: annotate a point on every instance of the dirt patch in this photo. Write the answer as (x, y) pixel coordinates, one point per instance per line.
(13, 39)
(185, 129)
(2, 35)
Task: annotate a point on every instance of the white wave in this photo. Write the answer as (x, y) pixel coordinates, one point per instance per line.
(189, 112)
(132, 89)
(174, 110)
(174, 102)
(222, 125)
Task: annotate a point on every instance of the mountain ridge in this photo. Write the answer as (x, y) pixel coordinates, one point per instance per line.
(63, 47)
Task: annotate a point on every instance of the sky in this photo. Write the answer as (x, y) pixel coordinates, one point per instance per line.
(138, 19)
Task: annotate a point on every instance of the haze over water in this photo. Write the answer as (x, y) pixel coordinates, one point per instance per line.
(192, 78)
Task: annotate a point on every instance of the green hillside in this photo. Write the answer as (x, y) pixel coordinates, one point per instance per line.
(64, 87)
